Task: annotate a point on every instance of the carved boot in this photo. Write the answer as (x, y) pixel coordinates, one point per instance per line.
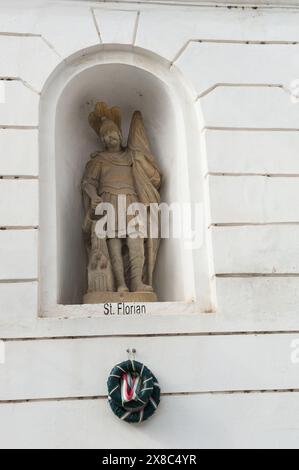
(114, 246)
(136, 256)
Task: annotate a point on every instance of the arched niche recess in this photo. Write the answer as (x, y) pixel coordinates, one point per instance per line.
(132, 79)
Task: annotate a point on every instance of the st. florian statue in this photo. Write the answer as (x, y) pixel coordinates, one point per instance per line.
(120, 265)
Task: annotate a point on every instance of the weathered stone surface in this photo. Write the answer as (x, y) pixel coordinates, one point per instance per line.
(119, 262)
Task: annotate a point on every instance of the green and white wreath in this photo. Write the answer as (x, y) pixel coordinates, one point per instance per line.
(133, 391)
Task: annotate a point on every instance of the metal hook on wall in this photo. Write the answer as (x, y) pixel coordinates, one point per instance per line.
(131, 354)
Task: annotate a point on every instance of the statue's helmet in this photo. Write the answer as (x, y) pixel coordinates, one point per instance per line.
(104, 119)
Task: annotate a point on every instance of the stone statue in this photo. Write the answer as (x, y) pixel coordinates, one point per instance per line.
(120, 267)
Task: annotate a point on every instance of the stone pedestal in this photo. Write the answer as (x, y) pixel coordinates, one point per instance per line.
(115, 297)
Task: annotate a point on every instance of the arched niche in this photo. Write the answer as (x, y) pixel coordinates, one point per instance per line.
(132, 79)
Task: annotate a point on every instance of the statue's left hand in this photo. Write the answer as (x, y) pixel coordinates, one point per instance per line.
(95, 201)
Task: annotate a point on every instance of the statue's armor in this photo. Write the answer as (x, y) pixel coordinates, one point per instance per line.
(116, 179)
(112, 175)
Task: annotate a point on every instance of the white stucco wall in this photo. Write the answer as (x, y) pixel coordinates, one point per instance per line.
(238, 65)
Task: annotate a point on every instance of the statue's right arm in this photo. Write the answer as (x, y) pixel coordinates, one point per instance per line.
(89, 189)
(90, 182)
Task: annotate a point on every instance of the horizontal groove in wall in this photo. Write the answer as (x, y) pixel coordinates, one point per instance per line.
(266, 175)
(20, 128)
(170, 394)
(250, 129)
(254, 224)
(18, 177)
(19, 227)
(151, 335)
(16, 281)
(16, 34)
(218, 5)
(8, 78)
(257, 275)
(19, 79)
(231, 41)
(237, 85)
(250, 224)
(260, 42)
(31, 35)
